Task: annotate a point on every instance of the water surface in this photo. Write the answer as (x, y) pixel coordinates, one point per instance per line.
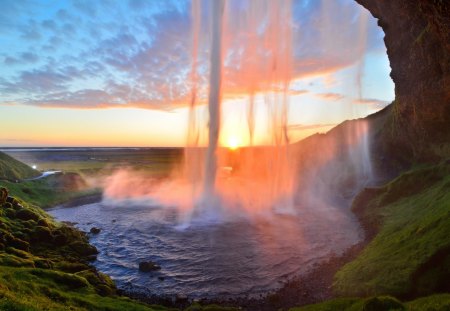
(242, 257)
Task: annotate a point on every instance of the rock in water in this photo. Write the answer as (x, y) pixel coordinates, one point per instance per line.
(95, 230)
(148, 266)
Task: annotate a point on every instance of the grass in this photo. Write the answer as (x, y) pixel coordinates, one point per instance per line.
(38, 289)
(45, 192)
(158, 161)
(440, 302)
(44, 266)
(410, 255)
(12, 169)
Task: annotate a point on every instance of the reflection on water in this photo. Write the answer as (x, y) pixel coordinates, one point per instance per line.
(246, 256)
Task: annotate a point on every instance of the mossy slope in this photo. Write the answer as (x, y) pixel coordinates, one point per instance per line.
(51, 190)
(410, 254)
(383, 303)
(44, 265)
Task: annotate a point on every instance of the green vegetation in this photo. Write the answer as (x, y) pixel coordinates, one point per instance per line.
(382, 303)
(95, 162)
(410, 256)
(44, 265)
(12, 169)
(43, 192)
(51, 190)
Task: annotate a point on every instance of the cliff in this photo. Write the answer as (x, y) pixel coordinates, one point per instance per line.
(417, 38)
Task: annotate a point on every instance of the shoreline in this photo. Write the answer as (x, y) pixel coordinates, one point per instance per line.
(312, 287)
(82, 200)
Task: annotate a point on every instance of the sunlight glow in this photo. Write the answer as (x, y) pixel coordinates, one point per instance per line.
(233, 143)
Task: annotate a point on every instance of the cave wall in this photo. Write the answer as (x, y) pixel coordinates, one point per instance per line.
(417, 38)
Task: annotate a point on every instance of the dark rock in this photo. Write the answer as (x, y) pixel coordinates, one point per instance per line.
(3, 195)
(161, 278)
(95, 230)
(417, 36)
(148, 266)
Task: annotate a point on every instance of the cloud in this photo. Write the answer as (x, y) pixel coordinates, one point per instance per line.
(11, 61)
(298, 92)
(102, 54)
(330, 96)
(303, 127)
(375, 103)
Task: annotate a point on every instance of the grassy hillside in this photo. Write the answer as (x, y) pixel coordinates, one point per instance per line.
(410, 253)
(12, 169)
(44, 265)
(384, 303)
(51, 190)
(408, 223)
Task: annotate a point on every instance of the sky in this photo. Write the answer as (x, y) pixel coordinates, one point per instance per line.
(119, 73)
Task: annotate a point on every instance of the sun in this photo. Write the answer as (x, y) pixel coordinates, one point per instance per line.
(233, 143)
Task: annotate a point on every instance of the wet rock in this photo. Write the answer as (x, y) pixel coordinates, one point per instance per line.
(148, 266)
(95, 230)
(161, 278)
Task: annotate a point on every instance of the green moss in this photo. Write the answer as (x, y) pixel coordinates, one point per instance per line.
(43, 266)
(36, 289)
(434, 302)
(382, 303)
(413, 218)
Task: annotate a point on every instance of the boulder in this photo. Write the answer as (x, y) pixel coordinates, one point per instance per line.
(95, 230)
(148, 266)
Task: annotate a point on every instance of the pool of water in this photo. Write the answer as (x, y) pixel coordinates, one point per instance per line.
(245, 256)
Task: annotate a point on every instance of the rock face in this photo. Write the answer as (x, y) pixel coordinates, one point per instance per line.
(95, 230)
(417, 38)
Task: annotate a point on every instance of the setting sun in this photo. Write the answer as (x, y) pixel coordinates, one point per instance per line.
(233, 143)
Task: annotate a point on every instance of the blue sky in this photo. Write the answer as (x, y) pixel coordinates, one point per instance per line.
(81, 66)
